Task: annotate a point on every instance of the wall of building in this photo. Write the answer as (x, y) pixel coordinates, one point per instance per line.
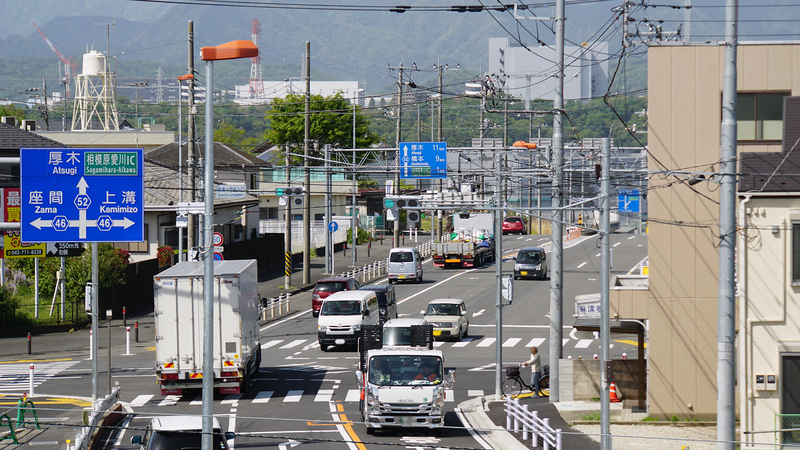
(685, 92)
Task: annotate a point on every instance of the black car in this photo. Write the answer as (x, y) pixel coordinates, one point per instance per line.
(387, 304)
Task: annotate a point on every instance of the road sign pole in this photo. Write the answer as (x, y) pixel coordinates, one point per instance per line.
(95, 311)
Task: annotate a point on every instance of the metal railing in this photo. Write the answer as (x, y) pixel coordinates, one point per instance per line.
(275, 307)
(83, 439)
(518, 418)
(379, 268)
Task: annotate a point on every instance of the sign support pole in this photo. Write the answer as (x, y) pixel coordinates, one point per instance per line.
(95, 330)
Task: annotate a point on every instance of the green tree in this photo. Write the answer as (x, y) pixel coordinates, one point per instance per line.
(233, 137)
(11, 110)
(331, 123)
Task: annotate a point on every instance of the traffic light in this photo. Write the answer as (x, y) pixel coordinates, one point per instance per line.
(295, 192)
(394, 203)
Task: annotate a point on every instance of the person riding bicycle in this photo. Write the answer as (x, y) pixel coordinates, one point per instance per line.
(536, 369)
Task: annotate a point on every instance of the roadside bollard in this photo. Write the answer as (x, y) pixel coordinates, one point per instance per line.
(91, 347)
(624, 356)
(124, 319)
(30, 394)
(369, 247)
(381, 237)
(344, 249)
(136, 331)
(29, 344)
(127, 340)
(403, 240)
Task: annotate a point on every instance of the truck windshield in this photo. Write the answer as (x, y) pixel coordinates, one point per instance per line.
(405, 370)
(340, 308)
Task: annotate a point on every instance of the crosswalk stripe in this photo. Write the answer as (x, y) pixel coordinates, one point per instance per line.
(314, 344)
(438, 344)
(474, 392)
(486, 342)
(231, 399)
(449, 396)
(464, 342)
(535, 342)
(140, 400)
(263, 396)
(293, 396)
(564, 342)
(324, 395)
(584, 343)
(15, 377)
(511, 342)
(269, 344)
(194, 403)
(169, 400)
(353, 395)
(294, 343)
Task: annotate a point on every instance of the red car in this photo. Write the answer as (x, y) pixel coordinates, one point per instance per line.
(513, 225)
(328, 286)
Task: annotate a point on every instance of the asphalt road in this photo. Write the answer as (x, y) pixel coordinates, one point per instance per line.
(300, 389)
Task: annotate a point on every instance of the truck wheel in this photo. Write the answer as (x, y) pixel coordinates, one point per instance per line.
(370, 431)
(460, 335)
(323, 347)
(466, 331)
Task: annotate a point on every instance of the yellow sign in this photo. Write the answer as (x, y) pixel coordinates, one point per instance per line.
(13, 247)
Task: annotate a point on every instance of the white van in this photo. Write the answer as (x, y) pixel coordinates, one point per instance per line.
(405, 263)
(343, 314)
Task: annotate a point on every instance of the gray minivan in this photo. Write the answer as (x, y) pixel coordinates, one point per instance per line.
(405, 264)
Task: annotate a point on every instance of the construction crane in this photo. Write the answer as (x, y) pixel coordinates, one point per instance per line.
(70, 68)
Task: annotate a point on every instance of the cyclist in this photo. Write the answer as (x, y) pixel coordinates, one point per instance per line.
(536, 369)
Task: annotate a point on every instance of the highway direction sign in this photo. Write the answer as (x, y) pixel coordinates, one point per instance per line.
(423, 160)
(65, 249)
(82, 195)
(628, 201)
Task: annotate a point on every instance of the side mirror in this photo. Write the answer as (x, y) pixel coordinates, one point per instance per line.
(359, 377)
(229, 435)
(422, 312)
(366, 313)
(513, 258)
(135, 440)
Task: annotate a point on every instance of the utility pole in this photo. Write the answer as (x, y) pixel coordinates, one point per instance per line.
(354, 218)
(726, 321)
(46, 111)
(287, 231)
(397, 154)
(498, 273)
(605, 268)
(191, 242)
(328, 213)
(439, 139)
(557, 252)
(307, 169)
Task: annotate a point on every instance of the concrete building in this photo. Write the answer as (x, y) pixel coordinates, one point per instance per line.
(351, 90)
(530, 71)
(680, 303)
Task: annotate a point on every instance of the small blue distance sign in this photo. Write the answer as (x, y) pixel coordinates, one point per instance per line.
(82, 194)
(333, 226)
(628, 200)
(423, 160)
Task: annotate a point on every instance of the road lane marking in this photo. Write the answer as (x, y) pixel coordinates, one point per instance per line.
(486, 342)
(263, 397)
(449, 396)
(479, 313)
(435, 285)
(629, 342)
(231, 399)
(510, 342)
(632, 237)
(353, 395)
(584, 343)
(564, 342)
(170, 400)
(141, 400)
(269, 344)
(469, 428)
(346, 430)
(474, 392)
(581, 264)
(323, 395)
(293, 396)
(616, 244)
(535, 342)
(293, 344)
(464, 342)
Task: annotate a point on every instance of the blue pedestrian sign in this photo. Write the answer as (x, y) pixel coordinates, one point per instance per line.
(333, 226)
(423, 160)
(81, 195)
(628, 201)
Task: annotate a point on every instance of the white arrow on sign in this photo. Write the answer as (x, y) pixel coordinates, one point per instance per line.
(291, 443)
(82, 185)
(627, 202)
(40, 223)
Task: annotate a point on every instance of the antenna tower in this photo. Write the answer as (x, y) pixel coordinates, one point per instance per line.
(256, 76)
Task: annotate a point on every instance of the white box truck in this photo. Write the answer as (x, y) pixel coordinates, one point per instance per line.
(179, 326)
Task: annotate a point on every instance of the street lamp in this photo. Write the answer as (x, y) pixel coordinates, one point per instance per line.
(230, 50)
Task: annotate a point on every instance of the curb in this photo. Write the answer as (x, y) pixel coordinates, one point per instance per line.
(480, 424)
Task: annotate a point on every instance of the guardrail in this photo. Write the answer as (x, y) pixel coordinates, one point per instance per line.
(518, 418)
(274, 307)
(84, 439)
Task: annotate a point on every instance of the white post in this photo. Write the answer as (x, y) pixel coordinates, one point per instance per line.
(546, 427)
(535, 429)
(525, 414)
(128, 341)
(91, 347)
(30, 393)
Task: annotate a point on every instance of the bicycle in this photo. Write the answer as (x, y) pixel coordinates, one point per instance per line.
(512, 386)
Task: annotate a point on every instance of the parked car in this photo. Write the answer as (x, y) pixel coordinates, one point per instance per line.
(386, 300)
(178, 432)
(513, 225)
(530, 262)
(448, 317)
(328, 286)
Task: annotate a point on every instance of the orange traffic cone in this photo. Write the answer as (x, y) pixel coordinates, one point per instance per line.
(612, 393)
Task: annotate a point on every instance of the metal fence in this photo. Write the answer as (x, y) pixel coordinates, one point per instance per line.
(98, 413)
(518, 418)
(787, 428)
(318, 231)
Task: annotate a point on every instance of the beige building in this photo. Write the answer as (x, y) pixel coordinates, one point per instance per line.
(684, 117)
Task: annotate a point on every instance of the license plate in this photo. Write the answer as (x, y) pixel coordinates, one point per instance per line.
(437, 332)
(401, 277)
(523, 273)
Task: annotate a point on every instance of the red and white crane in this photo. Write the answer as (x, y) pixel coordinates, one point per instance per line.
(70, 68)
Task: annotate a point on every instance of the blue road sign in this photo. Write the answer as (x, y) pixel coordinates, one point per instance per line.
(423, 160)
(82, 195)
(628, 201)
(333, 226)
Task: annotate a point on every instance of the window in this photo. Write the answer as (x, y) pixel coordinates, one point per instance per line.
(136, 247)
(760, 116)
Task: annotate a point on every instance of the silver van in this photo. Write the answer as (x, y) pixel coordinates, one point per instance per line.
(343, 314)
(405, 264)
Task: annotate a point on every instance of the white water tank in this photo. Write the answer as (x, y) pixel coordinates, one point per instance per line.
(94, 63)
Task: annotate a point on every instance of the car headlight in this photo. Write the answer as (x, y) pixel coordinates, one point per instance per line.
(322, 328)
(449, 325)
(538, 267)
(357, 327)
(517, 267)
